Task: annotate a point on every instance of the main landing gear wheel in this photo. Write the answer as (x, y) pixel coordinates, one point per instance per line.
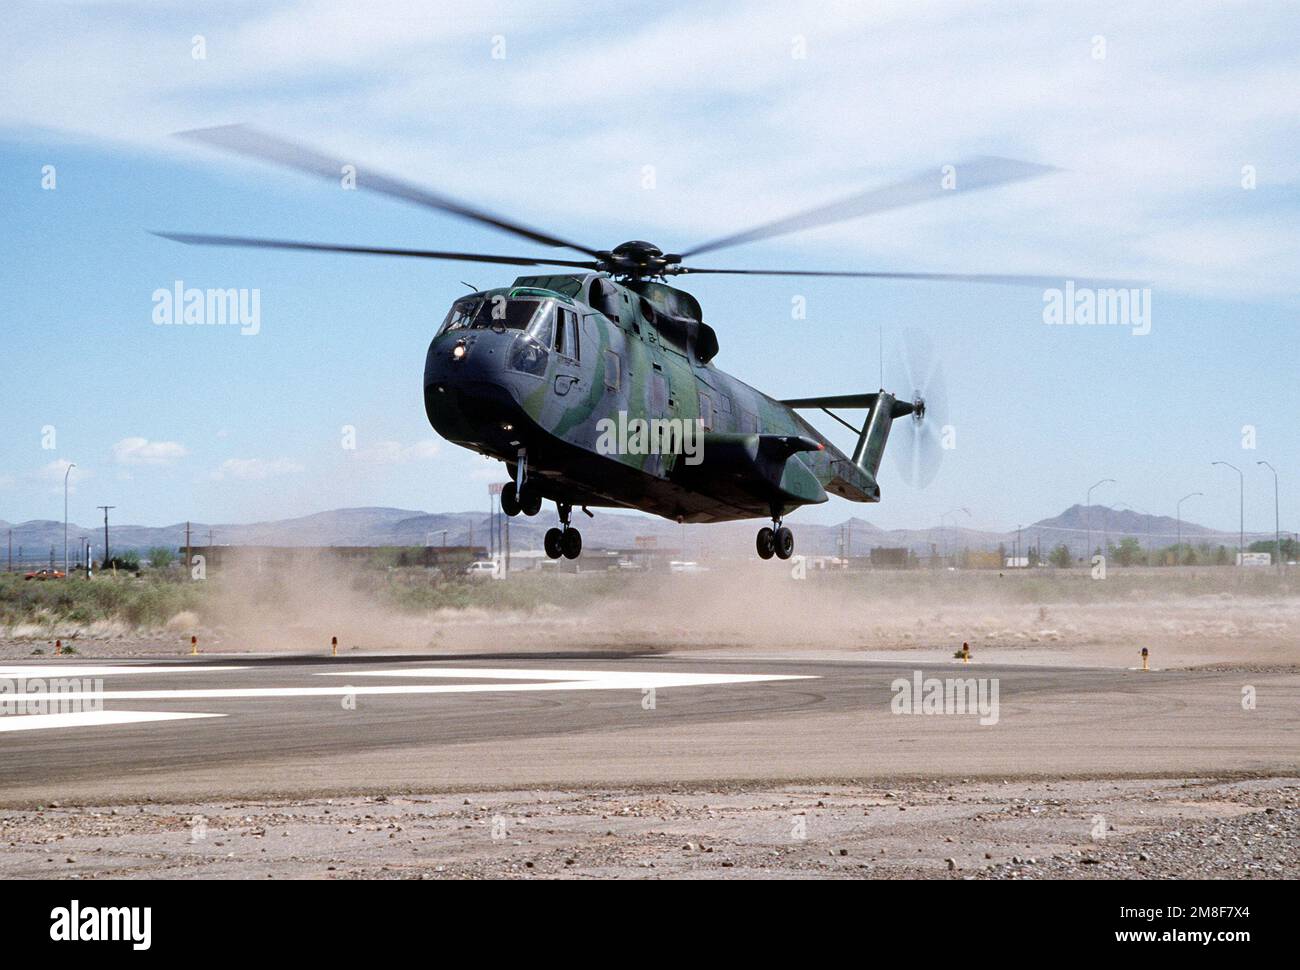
(784, 543)
(565, 541)
(571, 543)
(509, 501)
(553, 543)
(776, 541)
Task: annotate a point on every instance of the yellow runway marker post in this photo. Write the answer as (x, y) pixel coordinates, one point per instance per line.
(334, 646)
(194, 646)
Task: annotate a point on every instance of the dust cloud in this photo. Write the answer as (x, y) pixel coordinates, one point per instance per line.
(1190, 617)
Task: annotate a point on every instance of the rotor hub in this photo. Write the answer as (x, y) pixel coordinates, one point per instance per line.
(637, 258)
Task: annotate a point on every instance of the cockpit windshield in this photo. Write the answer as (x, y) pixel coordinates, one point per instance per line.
(479, 313)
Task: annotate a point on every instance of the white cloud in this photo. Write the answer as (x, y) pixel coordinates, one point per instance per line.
(256, 469)
(395, 453)
(142, 451)
(1155, 134)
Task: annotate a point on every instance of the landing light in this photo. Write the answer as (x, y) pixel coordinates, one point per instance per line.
(458, 351)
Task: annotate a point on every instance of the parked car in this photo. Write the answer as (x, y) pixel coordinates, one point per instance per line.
(483, 569)
(46, 574)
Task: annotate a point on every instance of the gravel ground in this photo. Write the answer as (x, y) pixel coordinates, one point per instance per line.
(1122, 829)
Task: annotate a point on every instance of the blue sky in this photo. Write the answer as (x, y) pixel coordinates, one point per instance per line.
(1154, 127)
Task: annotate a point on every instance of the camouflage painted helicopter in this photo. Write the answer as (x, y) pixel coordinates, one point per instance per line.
(594, 381)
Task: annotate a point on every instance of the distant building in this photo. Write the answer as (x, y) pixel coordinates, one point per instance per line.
(446, 558)
(896, 557)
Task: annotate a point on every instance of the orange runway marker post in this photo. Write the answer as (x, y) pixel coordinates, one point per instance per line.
(965, 652)
(58, 647)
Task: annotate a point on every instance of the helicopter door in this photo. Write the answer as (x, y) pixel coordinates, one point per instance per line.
(568, 351)
(659, 407)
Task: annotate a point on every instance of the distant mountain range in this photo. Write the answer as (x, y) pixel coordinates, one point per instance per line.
(609, 530)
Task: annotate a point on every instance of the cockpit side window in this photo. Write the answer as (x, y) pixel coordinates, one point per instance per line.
(541, 327)
(566, 332)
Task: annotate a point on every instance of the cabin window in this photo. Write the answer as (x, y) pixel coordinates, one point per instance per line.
(612, 369)
(706, 411)
(658, 394)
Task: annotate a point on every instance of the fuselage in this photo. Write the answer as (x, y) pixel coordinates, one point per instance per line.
(552, 364)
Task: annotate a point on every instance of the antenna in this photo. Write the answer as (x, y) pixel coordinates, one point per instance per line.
(881, 334)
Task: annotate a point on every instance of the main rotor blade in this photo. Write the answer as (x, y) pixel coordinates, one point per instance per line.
(981, 172)
(251, 143)
(199, 239)
(998, 278)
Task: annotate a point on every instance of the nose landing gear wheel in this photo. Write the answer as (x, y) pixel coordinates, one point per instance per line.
(565, 541)
(784, 543)
(553, 543)
(509, 501)
(766, 543)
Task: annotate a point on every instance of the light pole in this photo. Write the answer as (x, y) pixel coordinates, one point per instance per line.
(1241, 499)
(1087, 507)
(1277, 521)
(941, 528)
(1178, 550)
(71, 465)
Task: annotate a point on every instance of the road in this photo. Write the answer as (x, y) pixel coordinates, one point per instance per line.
(245, 726)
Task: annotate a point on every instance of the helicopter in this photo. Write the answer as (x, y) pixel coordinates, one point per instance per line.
(593, 379)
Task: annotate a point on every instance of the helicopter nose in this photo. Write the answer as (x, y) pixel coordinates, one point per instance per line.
(467, 393)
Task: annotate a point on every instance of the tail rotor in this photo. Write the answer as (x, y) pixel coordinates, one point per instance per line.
(917, 442)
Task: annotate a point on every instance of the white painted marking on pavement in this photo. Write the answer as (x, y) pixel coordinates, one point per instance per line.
(66, 670)
(37, 722)
(568, 680)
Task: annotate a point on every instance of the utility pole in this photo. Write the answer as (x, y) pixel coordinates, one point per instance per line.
(71, 465)
(1277, 521)
(1241, 498)
(187, 546)
(105, 508)
(11, 551)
